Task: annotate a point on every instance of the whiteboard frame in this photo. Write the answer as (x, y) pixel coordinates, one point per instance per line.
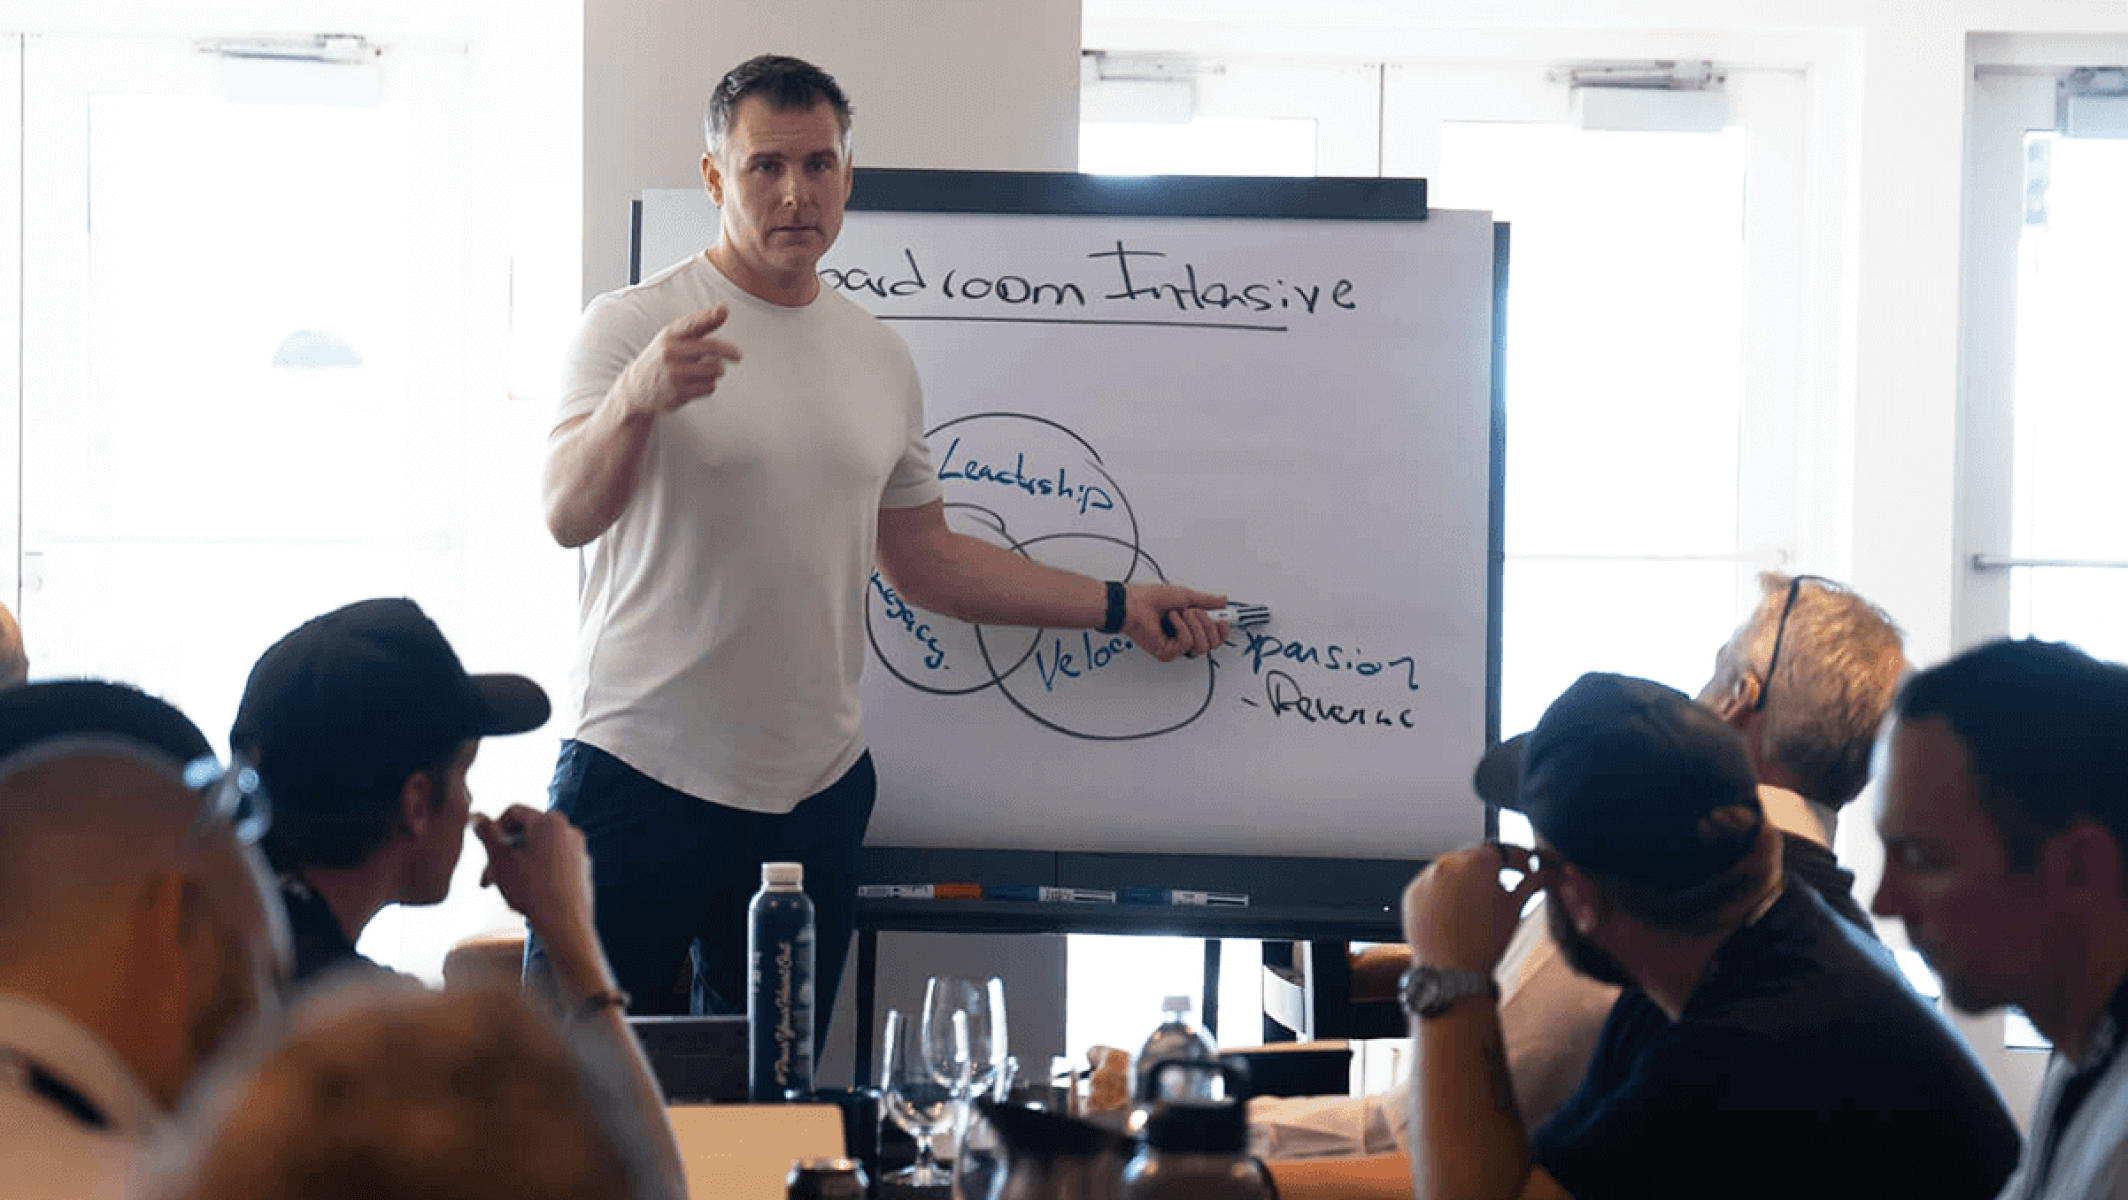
(1045, 193)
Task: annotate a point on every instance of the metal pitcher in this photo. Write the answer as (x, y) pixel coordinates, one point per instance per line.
(1045, 1157)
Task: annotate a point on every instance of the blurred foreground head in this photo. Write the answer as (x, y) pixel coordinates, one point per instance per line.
(402, 1093)
(132, 901)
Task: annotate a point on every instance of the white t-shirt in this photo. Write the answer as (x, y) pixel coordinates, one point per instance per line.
(46, 1153)
(721, 627)
(1550, 1018)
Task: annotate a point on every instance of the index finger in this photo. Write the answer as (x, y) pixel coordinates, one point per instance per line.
(706, 321)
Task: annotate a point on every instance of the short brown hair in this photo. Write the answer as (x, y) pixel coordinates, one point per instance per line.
(2044, 727)
(408, 1093)
(787, 84)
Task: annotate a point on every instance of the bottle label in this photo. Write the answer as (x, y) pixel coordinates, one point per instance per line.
(782, 1016)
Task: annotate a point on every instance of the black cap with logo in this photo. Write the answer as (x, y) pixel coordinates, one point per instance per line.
(369, 686)
(1619, 775)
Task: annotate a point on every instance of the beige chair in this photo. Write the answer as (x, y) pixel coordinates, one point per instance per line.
(1323, 991)
(485, 960)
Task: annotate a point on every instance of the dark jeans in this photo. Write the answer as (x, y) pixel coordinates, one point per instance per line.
(671, 877)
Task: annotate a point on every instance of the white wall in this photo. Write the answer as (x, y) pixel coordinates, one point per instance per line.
(935, 83)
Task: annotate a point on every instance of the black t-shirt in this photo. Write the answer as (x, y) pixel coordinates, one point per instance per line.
(1835, 884)
(1803, 1066)
(320, 944)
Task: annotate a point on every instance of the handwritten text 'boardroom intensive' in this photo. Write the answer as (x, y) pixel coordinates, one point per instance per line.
(1150, 280)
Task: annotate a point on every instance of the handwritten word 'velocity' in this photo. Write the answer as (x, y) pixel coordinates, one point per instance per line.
(1091, 656)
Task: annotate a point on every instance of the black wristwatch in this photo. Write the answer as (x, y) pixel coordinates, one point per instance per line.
(1118, 598)
(1431, 991)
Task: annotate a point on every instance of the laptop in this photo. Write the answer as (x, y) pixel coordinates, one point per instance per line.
(696, 1059)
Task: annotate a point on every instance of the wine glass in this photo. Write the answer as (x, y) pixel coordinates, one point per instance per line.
(917, 1075)
(983, 1005)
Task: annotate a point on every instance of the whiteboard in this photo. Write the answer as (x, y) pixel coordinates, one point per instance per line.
(1296, 412)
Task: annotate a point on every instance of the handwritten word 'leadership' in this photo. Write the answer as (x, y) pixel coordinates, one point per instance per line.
(1121, 275)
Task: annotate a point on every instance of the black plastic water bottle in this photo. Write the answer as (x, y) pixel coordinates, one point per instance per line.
(779, 998)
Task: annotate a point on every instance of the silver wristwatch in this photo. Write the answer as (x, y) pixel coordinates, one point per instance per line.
(1429, 991)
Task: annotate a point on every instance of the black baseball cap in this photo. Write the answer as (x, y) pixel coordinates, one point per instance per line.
(369, 686)
(52, 719)
(1618, 776)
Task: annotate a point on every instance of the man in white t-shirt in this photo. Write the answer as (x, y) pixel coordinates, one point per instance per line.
(740, 447)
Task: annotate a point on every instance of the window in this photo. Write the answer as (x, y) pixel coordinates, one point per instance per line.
(233, 415)
(2040, 486)
(1647, 313)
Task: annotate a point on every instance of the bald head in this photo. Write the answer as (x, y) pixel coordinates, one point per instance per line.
(14, 659)
(128, 899)
(78, 837)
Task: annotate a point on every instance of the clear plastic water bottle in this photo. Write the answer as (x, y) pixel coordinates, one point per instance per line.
(1178, 1037)
(779, 996)
(1195, 1150)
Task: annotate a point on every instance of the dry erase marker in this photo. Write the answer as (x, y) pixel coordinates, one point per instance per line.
(920, 891)
(1240, 616)
(1213, 899)
(894, 891)
(1160, 895)
(1050, 895)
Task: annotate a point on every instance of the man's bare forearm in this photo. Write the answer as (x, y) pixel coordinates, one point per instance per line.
(1468, 1142)
(977, 582)
(608, 1029)
(593, 468)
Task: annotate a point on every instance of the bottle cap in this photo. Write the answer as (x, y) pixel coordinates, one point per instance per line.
(1181, 1004)
(783, 874)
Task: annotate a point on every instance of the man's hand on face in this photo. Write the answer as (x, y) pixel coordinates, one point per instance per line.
(1457, 914)
(683, 363)
(539, 862)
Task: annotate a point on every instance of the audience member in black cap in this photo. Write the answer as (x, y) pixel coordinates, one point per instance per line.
(1763, 1047)
(363, 724)
(138, 932)
(2005, 820)
(1806, 680)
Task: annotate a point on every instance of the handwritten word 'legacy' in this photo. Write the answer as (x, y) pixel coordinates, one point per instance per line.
(911, 624)
(1089, 497)
(1121, 275)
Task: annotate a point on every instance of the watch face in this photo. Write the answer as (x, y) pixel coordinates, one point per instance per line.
(1428, 991)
